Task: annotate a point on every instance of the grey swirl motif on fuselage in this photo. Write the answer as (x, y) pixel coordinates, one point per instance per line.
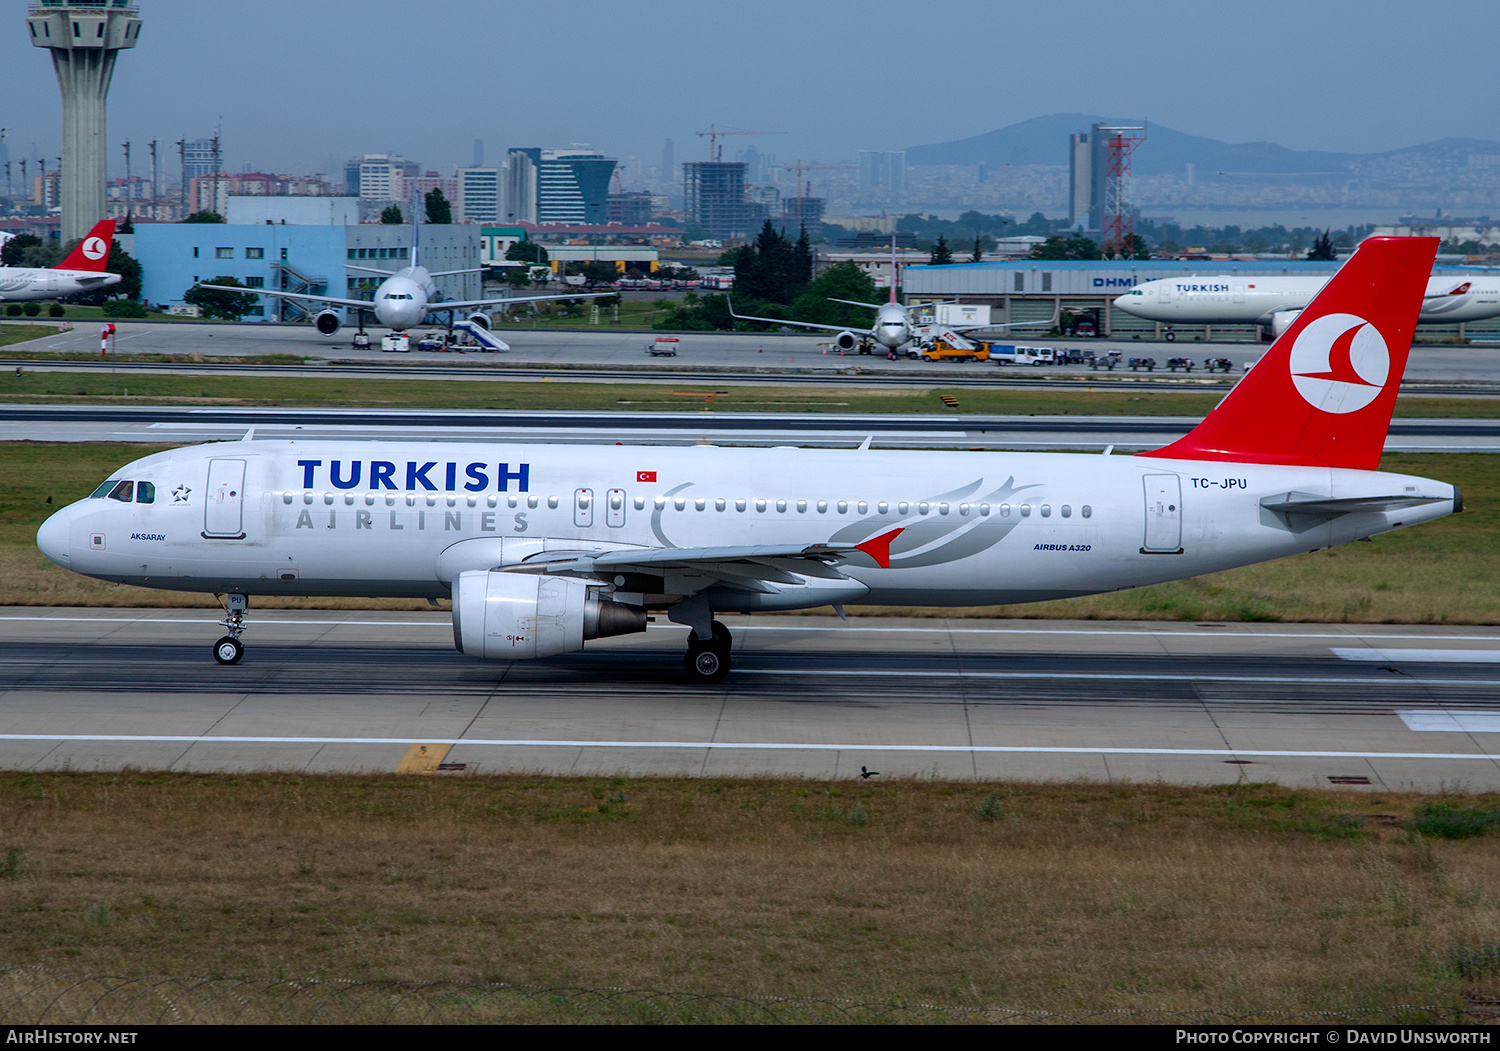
(656, 514)
(946, 538)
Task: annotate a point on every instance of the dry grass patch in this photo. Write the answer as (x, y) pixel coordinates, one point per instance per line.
(1073, 897)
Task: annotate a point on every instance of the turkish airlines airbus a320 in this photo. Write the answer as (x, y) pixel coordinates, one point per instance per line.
(82, 271)
(542, 547)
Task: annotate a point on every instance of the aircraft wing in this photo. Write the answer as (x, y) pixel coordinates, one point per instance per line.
(783, 321)
(358, 304)
(469, 304)
(854, 303)
(740, 566)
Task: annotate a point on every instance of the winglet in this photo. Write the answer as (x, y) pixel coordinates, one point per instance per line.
(92, 253)
(879, 547)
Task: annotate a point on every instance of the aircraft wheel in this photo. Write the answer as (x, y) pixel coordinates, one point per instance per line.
(228, 650)
(706, 664)
(722, 636)
(1170, 337)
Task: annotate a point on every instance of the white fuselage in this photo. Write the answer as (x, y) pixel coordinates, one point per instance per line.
(404, 518)
(21, 283)
(404, 298)
(1242, 299)
(893, 328)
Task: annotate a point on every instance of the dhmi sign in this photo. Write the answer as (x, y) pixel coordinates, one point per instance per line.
(1114, 282)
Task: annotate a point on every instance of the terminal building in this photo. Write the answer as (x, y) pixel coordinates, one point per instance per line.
(1034, 289)
(296, 258)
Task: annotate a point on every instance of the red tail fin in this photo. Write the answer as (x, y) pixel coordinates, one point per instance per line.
(93, 251)
(1322, 396)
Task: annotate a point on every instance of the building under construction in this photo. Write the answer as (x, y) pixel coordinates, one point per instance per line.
(714, 193)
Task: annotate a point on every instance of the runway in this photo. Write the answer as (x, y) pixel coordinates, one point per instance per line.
(622, 353)
(1312, 705)
(188, 424)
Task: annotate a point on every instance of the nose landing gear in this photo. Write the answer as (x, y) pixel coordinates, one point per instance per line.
(229, 649)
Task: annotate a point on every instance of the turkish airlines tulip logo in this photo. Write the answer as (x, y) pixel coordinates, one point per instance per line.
(95, 248)
(1340, 363)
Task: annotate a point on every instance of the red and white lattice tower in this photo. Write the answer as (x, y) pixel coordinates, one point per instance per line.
(1119, 216)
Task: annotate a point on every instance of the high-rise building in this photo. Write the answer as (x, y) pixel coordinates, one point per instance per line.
(199, 157)
(479, 195)
(379, 176)
(84, 37)
(1088, 174)
(714, 193)
(883, 172)
(557, 186)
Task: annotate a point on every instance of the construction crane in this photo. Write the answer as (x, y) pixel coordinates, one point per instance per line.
(716, 150)
(799, 168)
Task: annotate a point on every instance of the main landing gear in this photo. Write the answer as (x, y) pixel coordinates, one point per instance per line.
(707, 661)
(230, 649)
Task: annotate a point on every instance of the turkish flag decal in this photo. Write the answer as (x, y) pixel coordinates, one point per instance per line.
(645, 476)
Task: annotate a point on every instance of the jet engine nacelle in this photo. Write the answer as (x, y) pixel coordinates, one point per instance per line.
(480, 318)
(845, 340)
(1281, 321)
(327, 322)
(518, 616)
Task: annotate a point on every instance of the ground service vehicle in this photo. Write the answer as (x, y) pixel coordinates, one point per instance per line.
(663, 347)
(941, 351)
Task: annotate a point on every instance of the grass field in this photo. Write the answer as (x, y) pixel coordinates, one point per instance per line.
(1446, 572)
(502, 393)
(1239, 898)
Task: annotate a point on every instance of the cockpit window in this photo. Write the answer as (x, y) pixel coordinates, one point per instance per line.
(103, 490)
(145, 493)
(122, 492)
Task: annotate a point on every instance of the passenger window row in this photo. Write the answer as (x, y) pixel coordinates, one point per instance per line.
(660, 503)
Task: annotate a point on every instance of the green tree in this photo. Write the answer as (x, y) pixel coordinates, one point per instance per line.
(1074, 246)
(119, 262)
(11, 254)
(1322, 248)
(127, 225)
(204, 217)
(598, 272)
(840, 281)
(978, 256)
(391, 215)
(772, 269)
(941, 256)
(526, 252)
(220, 303)
(438, 209)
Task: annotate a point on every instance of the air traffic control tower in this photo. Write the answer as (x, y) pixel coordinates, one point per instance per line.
(84, 37)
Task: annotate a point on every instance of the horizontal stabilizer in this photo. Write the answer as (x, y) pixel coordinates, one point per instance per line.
(1308, 504)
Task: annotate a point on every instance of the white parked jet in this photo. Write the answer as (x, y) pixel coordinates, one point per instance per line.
(81, 271)
(542, 547)
(1274, 302)
(893, 328)
(404, 298)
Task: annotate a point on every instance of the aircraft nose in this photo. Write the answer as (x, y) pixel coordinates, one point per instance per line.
(52, 538)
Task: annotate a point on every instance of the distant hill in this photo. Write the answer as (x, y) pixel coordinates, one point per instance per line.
(1044, 140)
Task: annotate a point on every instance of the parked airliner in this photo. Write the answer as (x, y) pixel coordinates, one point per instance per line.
(1273, 302)
(542, 547)
(893, 328)
(404, 298)
(82, 271)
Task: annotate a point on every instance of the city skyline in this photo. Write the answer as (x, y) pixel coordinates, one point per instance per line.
(306, 99)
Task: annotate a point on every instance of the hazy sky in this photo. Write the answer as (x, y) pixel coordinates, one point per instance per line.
(297, 85)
